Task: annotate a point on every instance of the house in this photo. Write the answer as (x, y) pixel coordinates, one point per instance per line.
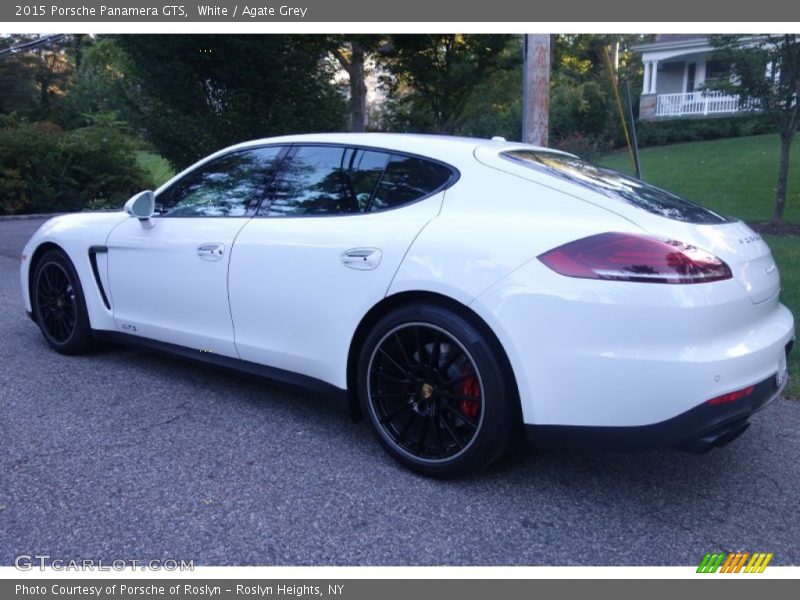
(676, 67)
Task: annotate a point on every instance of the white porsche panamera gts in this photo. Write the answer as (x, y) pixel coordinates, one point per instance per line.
(456, 292)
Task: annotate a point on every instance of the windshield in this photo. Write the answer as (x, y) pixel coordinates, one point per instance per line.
(615, 185)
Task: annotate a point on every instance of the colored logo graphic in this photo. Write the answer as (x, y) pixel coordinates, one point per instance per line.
(735, 562)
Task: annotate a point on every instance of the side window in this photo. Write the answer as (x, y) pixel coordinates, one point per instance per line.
(363, 171)
(311, 182)
(408, 179)
(228, 186)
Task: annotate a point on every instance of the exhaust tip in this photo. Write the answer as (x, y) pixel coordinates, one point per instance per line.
(716, 438)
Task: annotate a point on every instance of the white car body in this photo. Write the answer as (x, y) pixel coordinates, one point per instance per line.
(585, 353)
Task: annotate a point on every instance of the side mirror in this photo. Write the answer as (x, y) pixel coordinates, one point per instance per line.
(142, 205)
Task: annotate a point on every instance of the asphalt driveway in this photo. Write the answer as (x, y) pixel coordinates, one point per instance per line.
(128, 455)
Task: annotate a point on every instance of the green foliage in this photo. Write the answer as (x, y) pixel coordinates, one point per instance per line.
(156, 168)
(581, 115)
(765, 70)
(495, 106)
(584, 55)
(584, 118)
(440, 83)
(101, 85)
(44, 169)
(34, 82)
(432, 77)
(578, 106)
(658, 133)
(198, 93)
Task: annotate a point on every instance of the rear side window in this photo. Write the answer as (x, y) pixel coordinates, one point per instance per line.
(329, 180)
(615, 185)
(407, 179)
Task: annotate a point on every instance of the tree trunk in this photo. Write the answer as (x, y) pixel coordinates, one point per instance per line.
(783, 175)
(358, 89)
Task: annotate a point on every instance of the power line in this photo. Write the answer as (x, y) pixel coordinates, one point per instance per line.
(26, 46)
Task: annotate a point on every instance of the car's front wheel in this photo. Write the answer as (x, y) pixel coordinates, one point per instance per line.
(58, 304)
(434, 392)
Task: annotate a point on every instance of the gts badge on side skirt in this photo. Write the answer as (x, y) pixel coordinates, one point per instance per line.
(128, 327)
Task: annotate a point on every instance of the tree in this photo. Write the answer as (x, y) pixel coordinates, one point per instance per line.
(36, 78)
(583, 114)
(765, 74)
(441, 71)
(197, 93)
(351, 52)
(102, 84)
(495, 106)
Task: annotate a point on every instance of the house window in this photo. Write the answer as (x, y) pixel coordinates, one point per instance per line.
(717, 70)
(691, 72)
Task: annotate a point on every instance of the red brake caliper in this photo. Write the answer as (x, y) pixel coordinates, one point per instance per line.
(470, 387)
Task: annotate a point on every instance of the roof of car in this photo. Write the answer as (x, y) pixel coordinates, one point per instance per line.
(443, 147)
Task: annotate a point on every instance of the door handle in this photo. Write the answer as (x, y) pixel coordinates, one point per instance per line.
(361, 259)
(211, 251)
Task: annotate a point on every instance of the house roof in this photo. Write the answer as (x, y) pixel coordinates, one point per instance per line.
(677, 41)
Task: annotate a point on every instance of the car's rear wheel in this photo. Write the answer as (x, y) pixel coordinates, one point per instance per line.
(58, 304)
(434, 392)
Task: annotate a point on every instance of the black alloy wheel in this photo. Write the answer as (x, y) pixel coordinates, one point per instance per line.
(426, 391)
(55, 298)
(434, 392)
(58, 304)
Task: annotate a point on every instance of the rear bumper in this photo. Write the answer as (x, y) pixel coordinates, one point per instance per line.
(697, 430)
(611, 354)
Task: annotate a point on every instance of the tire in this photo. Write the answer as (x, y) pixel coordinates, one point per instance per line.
(434, 392)
(59, 305)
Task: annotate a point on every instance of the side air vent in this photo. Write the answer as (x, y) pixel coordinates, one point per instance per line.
(93, 252)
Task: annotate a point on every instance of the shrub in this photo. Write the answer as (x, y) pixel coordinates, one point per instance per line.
(585, 146)
(43, 169)
(582, 116)
(577, 107)
(658, 133)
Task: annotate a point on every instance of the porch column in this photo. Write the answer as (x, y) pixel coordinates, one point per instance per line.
(646, 79)
(700, 74)
(653, 76)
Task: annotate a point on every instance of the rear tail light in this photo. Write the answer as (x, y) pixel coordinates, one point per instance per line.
(630, 257)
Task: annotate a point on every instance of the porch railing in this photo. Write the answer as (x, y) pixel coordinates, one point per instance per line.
(699, 103)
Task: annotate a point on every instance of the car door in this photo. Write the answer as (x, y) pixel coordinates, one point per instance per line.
(324, 249)
(168, 278)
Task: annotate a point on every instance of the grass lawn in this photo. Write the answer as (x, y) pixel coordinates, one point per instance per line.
(155, 166)
(786, 251)
(735, 177)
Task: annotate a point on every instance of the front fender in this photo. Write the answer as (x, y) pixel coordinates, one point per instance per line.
(74, 234)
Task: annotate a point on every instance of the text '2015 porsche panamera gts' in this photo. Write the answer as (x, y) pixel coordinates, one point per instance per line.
(457, 292)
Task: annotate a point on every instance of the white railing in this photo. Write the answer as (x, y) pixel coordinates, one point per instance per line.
(699, 103)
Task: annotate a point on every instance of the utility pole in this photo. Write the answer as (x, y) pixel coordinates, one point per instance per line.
(536, 89)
